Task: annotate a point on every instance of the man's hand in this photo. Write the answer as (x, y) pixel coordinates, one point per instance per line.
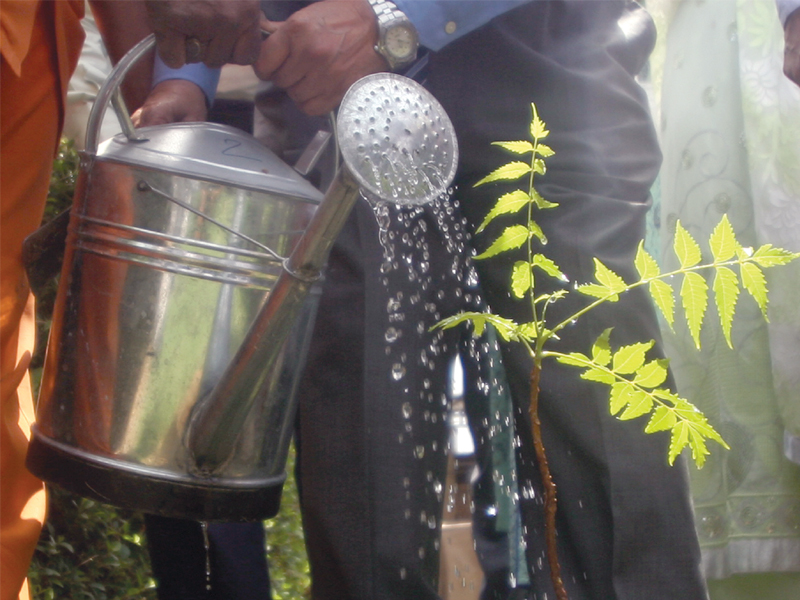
(320, 51)
(220, 31)
(791, 52)
(172, 101)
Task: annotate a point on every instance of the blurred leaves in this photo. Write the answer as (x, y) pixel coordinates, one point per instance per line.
(90, 551)
(286, 550)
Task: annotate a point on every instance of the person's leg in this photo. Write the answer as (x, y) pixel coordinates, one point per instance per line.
(30, 108)
(178, 558)
(233, 567)
(239, 568)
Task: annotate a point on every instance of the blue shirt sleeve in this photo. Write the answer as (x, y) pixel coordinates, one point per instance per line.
(439, 22)
(205, 77)
(785, 8)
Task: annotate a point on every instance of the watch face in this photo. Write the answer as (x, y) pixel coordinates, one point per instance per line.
(400, 42)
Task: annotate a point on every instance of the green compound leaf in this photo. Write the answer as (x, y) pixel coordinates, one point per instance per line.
(723, 240)
(651, 374)
(607, 278)
(574, 359)
(767, 256)
(686, 249)
(512, 238)
(686, 410)
(692, 429)
(538, 131)
(599, 375)
(645, 264)
(597, 291)
(537, 231)
(508, 172)
(663, 418)
(515, 147)
(686, 433)
(664, 297)
(608, 285)
(694, 294)
(669, 396)
(640, 403)
(697, 442)
(507, 203)
(506, 328)
(540, 201)
(754, 282)
(548, 266)
(527, 331)
(726, 292)
(521, 279)
(544, 150)
(629, 359)
(622, 394)
(679, 440)
(539, 167)
(601, 349)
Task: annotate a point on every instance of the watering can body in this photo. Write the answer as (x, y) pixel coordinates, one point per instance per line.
(163, 275)
(188, 294)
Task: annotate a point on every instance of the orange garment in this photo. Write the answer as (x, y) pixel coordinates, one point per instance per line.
(40, 41)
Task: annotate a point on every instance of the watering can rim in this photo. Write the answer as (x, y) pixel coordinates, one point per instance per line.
(259, 171)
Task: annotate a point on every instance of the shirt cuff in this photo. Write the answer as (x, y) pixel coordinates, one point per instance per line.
(204, 77)
(787, 7)
(439, 22)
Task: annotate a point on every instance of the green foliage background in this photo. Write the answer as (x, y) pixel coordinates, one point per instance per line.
(93, 551)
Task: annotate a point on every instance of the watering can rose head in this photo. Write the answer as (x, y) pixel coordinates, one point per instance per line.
(396, 140)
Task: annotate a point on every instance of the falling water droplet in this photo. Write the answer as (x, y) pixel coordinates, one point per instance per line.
(207, 547)
(398, 371)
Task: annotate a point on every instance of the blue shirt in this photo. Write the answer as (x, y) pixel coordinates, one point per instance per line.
(438, 23)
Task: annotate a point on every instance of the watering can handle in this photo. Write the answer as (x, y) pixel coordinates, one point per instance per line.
(110, 92)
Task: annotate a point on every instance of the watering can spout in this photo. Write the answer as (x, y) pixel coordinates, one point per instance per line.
(211, 434)
(411, 162)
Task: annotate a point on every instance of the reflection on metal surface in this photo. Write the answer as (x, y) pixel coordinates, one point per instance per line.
(460, 574)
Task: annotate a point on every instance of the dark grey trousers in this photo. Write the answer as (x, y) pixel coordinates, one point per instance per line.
(371, 445)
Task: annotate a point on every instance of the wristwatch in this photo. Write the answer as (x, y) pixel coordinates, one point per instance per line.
(397, 37)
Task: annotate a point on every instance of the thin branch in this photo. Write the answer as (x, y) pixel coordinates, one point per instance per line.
(550, 500)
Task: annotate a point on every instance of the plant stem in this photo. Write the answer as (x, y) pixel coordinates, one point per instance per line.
(550, 500)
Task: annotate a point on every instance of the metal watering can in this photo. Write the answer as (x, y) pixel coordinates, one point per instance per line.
(180, 330)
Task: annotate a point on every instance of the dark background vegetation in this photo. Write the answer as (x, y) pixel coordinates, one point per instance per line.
(93, 551)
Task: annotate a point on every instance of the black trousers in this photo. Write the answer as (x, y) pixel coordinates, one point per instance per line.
(237, 564)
